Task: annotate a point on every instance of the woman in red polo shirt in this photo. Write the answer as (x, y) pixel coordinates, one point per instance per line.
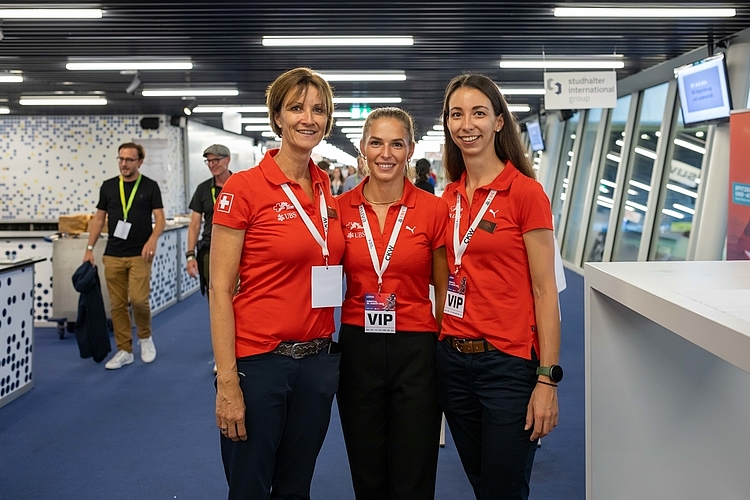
(501, 317)
(276, 225)
(395, 246)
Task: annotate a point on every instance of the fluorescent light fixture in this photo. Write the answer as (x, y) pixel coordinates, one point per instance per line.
(364, 77)
(354, 136)
(11, 78)
(672, 213)
(50, 13)
(642, 12)
(436, 133)
(519, 108)
(336, 41)
(433, 138)
(4, 110)
(190, 92)
(270, 134)
(437, 127)
(614, 158)
(608, 183)
(128, 66)
(639, 185)
(351, 130)
(681, 190)
(645, 152)
(258, 128)
(690, 146)
(562, 64)
(366, 100)
(683, 208)
(256, 120)
(510, 91)
(350, 123)
(62, 101)
(342, 114)
(236, 109)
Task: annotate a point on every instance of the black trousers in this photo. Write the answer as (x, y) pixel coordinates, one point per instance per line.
(389, 413)
(485, 396)
(288, 408)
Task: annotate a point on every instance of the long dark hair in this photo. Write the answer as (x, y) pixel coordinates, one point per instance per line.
(508, 145)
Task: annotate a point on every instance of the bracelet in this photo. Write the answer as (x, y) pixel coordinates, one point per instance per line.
(190, 254)
(546, 383)
(225, 373)
(190, 257)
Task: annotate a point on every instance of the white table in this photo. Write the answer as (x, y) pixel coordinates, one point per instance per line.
(667, 380)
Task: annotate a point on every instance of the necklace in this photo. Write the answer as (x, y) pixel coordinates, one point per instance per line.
(379, 202)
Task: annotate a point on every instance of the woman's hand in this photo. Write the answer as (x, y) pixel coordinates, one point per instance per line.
(230, 407)
(542, 412)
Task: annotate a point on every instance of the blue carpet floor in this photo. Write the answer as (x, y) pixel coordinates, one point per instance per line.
(148, 431)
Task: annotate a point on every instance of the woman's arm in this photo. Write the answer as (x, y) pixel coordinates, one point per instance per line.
(440, 282)
(226, 244)
(542, 413)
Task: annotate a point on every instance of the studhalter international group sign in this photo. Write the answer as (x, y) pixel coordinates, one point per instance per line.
(580, 90)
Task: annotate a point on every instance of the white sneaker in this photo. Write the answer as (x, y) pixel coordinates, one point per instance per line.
(148, 350)
(120, 359)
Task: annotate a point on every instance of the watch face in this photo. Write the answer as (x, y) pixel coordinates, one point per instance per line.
(556, 373)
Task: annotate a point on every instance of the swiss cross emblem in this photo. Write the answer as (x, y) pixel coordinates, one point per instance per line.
(225, 203)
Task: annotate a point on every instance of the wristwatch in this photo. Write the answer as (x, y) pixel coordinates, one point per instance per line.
(554, 372)
(89, 247)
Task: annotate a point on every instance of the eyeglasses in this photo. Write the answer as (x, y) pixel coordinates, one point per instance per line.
(129, 161)
(213, 161)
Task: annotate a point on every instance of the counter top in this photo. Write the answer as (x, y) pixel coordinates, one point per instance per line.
(705, 302)
(6, 265)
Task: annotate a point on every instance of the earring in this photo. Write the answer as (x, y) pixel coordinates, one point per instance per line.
(498, 130)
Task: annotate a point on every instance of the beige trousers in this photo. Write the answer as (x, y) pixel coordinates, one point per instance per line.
(129, 285)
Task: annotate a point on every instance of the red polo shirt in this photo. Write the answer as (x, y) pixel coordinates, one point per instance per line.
(410, 269)
(274, 303)
(499, 300)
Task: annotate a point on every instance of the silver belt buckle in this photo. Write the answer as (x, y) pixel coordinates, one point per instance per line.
(294, 354)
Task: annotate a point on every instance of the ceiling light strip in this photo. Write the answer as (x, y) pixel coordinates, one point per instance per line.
(62, 101)
(642, 12)
(366, 100)
(11, 78)
(50, 14)
(236, 109)
(190, 93)
(561, 64)
(364, 77)
(129, 66)
(336, 41)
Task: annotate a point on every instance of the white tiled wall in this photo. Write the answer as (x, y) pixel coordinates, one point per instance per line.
(54, 165)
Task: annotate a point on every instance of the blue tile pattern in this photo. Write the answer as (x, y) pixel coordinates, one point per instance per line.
(55, 165)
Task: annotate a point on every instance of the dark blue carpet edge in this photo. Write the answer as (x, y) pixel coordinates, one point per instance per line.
(147, 431)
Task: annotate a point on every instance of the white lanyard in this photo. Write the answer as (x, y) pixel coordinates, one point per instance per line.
(460, 249)
(322, 240)
(380, 268)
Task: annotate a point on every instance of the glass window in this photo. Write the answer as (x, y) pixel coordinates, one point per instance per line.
(578, 189)
(680, 192)
(599, 221)
(563, 167)
(645, 143)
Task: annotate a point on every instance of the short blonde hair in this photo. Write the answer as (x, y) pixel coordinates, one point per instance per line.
(297, 80)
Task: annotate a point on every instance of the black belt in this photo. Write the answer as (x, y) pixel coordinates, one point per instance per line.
(468, 346)
(299, 350)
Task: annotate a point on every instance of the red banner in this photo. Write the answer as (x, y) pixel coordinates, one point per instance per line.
(738, 220)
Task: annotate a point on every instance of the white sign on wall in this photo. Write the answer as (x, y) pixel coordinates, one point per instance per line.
(580, 90)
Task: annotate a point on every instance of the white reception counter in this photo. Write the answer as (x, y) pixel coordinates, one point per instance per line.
(667, 380)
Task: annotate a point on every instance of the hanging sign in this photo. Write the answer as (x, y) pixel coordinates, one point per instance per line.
(580, 90)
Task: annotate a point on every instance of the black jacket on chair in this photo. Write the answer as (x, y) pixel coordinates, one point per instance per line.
(91, 324)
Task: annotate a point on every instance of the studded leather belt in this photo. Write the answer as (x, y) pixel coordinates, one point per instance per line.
(468, 346)
(299, 350)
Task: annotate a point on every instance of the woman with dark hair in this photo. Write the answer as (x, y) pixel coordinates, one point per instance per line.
(395, 246)
(275, 226)
(500, 341)
(423, 176)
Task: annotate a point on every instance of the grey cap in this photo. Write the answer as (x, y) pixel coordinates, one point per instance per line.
(217, 150)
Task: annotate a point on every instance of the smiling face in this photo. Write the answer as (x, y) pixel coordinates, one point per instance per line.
(302, 119)
(472, 122)
(218, 165)
(387, 147)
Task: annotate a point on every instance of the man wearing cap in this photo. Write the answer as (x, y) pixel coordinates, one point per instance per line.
(129, 201)
(217, 157)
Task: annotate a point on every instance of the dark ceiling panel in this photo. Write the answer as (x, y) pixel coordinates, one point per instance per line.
(223, 39)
